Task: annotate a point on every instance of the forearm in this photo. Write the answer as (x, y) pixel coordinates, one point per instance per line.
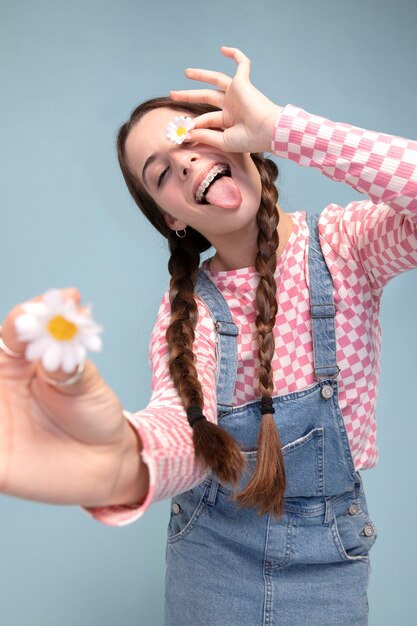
(382, 166)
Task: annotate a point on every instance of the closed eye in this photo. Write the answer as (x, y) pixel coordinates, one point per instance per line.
(161, 177)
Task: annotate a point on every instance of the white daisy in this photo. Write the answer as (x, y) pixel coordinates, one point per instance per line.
(177, 129)
(58, 332)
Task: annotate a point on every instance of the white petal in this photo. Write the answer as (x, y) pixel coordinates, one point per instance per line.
(27, 327)
(68, 308)
(92, 342)
(80, 351)
(69, 358)
(88, 327)
(53, 298)
(51, 359)
(189, 123)
(35, 308)
(35, 350)
(78, 317)
(83, 318)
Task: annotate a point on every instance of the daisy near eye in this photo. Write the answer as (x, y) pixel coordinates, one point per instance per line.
(58, 332)
(178, 129)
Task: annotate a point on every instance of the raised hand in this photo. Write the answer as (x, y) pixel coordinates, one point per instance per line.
(67, 445)
(246, 118)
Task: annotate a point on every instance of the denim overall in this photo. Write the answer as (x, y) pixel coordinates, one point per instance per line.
(228, 566)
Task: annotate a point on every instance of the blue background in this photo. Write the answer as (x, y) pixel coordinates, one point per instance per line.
(70, 74)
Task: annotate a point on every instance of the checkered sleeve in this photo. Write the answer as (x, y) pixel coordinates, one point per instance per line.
(162, 426)
(383, 230)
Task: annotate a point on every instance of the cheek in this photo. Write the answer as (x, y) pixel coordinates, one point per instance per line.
(171, 202)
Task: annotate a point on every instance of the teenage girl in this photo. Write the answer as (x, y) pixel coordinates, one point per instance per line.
(265, 363)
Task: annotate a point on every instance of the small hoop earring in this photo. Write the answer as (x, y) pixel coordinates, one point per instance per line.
(184, 231)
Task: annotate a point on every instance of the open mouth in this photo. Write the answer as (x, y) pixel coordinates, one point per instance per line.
(214, 173)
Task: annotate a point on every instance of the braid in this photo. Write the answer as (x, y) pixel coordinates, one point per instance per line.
(180, 333)
(267, 486)
(212, 443)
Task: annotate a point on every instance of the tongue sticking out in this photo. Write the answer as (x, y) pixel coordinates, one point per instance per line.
(224, 193)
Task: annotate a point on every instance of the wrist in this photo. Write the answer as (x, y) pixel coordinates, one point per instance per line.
(133, 484)
(128, 477)
(270, 123)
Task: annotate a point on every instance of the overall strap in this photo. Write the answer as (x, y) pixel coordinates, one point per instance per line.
(322, 307)
(226, 341)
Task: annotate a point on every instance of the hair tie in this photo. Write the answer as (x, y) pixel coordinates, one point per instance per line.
(194, 413)
(266, 406)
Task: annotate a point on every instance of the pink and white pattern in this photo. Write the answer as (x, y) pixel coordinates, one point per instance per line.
(365, 244)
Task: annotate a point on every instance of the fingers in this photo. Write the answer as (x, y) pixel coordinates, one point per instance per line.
(212, 138)
(206, 96)
(89, 379)
(236, 54)
(208, 120)
(243, 62)
(218, 79)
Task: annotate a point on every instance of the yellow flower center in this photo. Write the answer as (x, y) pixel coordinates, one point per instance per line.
(181, 130)
(61, 329)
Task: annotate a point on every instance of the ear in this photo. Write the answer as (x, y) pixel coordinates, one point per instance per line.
(173, 223)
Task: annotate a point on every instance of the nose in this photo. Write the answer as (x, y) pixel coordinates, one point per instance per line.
(184, 161)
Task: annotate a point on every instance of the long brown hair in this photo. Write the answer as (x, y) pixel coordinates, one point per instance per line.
(211, 442)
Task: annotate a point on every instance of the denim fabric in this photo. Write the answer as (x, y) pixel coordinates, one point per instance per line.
(228, 566)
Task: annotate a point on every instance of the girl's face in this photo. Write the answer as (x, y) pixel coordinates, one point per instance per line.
(175, 175)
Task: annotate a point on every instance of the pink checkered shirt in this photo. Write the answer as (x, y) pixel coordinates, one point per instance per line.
(365, 244)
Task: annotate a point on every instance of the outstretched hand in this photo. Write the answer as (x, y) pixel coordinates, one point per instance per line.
(246, 118)
(66, 445)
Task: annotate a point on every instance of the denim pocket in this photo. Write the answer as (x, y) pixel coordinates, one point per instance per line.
(353, 531)
(186, 509)
(304, 464)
